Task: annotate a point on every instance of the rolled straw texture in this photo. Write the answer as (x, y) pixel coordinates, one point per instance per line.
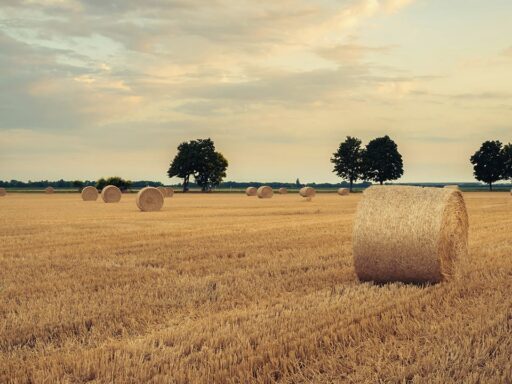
(343, 191)
(149, 199)
(49, 190)
(265, 192)
(163, 191)
(89, 193)
(111, 194)
(409, 234)
(251, 191)
(170, 192)
(282, 191)
(307, 192)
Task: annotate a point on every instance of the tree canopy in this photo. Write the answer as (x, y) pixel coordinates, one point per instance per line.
(489, 162)
(348, 160)
(199, 159)
(119, 182)
(382, 161)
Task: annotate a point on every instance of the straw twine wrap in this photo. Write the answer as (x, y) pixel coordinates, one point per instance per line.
(343, 191)
(3, 192)
(149, 199)
(49, 190)
(251, 191)
(307, 192)
(409, 234)
(265, 192)
(111, 194)
(89, 193)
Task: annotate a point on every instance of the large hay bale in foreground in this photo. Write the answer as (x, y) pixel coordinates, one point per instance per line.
(343, 191)
(265, 192)
(308, 192)
(111, 194)
(452, 186)
(149, 199)
(3, 192)
(49, 190)
(89, 193)
(409, 234)
(251, 191)
(282, 191)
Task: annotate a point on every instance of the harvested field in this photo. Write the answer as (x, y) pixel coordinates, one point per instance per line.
(221, 288)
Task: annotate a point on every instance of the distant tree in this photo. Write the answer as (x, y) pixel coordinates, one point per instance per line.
(297, 183)
(119, 182)
(489, 162)
(507, 161)
(348, 160)
(382, 161)
(198, 158)
(78, 184)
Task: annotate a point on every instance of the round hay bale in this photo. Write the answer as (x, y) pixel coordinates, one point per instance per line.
(265, 192)
(452, 186)
(343, 191)
(307, 192)
(282, 191)
(111, 194)
(89, 193)
(409, 234)
(3, 192)
(163, 191)
(170, 191)
(150, 199)
(49, 190)
(251, 191)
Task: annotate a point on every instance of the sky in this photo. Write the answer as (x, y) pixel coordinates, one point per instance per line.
(97, 88)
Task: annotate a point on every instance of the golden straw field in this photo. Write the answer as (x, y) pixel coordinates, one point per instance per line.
(225, 288)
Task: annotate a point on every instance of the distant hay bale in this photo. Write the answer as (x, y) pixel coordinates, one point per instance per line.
(111, 194)
(265, 192)
(343, 191)
(452, 186)
(307, 192)
(3, 192)
(282, 191)
(49, 190)
(163, 191)
(89, 193)
(409, 234)
(251, 191)
(149, 199)
(170, 192)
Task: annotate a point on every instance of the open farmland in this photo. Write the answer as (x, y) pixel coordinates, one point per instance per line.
(227, 288)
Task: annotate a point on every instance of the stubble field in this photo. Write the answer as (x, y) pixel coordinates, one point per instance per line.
(223, 288)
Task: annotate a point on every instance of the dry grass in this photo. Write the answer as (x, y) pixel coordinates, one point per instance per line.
(221, 288)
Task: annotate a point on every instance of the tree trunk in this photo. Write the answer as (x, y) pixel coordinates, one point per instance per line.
(185, 183)
(381, 182)
(490, 186)
(351, 183)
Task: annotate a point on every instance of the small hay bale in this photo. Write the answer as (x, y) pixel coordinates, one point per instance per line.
(452, 186)
(89, 193)
(163, 191)
(307, 192)
(343, 191)
(251, 191)
(170, 191)
(111, 194)
(149, 199)
(282, 191)
(3, 192)
(49, 190)
(265, 192)
(409, 234)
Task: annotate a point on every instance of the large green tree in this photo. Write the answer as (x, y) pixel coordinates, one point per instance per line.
(382, 161)
(348, 160)
(507, 161)
(489, 162)
(199, 159)
(119, 182)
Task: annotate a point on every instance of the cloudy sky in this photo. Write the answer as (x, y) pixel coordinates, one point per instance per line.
(96, 88)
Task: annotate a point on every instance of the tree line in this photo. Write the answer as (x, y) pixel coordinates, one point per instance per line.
(80, 184)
